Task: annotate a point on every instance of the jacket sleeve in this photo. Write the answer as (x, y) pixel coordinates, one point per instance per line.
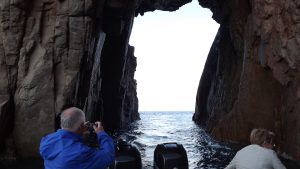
(99, 158)
(276, 163)
(232, 164)
(106, 154)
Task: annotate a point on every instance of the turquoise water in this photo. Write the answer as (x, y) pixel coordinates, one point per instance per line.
(161, 127)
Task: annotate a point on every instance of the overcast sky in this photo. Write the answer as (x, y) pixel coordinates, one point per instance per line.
(171, 49)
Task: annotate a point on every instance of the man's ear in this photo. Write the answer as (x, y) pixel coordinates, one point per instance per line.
(81, 127)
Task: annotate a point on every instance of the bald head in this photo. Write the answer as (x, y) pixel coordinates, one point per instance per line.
(71, 119)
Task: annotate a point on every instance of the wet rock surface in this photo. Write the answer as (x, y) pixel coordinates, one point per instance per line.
(60, 53)
(51, 57)
(251, 77)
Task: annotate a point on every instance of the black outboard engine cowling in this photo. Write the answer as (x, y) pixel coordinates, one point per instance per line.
(127, 157)
(170, 156)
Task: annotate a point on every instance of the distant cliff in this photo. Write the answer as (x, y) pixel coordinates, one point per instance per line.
(251, 77)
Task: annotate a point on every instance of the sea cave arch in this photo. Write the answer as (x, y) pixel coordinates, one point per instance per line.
(58, 53)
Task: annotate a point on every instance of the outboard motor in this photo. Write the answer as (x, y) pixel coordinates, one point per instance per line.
(127, 157)
(170, 156)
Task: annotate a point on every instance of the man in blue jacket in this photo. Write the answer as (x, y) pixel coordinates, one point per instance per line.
(65, 149)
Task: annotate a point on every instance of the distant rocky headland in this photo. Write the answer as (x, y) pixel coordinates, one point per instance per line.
(60, 53)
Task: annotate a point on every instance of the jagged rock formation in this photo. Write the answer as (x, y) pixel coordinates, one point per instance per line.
(60, 53)
(251, 76)
(57, 53)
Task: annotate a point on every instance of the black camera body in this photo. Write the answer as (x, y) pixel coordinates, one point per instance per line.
(91, 137)
(90, 126)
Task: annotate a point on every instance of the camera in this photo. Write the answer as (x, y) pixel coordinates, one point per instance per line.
(91, 137)
(90, 126)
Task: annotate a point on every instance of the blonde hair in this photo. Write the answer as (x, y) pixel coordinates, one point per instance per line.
(260, 136)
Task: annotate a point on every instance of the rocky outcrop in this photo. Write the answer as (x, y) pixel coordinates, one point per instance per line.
(251, 76)
(58, 53)
(163, 5)
(116, 59)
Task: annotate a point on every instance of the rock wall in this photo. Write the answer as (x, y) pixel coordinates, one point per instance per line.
(53, 54)
(58, 53)
(251, 77)
(116, 59)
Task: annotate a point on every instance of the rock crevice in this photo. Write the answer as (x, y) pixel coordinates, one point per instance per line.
(52, 54)
(60, 53)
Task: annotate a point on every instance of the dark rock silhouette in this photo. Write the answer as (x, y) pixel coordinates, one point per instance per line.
(60, 53)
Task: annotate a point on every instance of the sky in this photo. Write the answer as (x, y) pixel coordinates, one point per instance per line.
(171, 50)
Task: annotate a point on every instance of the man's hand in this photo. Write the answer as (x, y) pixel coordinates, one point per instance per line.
(98, 128)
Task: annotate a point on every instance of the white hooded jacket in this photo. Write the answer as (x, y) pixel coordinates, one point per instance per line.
(255, 157)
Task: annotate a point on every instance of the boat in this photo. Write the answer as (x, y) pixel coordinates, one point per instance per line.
(127, 157)
(166, 156)
(170, 156)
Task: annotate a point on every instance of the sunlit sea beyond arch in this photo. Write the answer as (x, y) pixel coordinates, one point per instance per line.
(161, 127)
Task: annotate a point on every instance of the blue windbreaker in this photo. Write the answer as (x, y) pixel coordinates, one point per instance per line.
(66, 150)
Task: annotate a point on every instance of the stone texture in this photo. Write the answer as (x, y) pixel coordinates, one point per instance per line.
(116, 65)
(257, 83)
(59, 53)
(52, 54)
(128, 89)
(163, 5)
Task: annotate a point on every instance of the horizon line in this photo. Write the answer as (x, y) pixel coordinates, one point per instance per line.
(167, 110)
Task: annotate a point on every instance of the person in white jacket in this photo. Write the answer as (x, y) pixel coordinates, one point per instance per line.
(258, 155)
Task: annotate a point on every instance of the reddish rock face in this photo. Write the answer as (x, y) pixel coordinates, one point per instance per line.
(55, 53)
(60, 53)
(251, 77)
(51, 57)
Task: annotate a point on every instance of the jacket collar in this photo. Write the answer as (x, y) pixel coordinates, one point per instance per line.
(69, 134)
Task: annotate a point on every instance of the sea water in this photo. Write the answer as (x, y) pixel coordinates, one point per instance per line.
(161, 127)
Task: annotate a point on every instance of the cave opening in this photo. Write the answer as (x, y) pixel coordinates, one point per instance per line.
(85, 61)
(171, 50)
